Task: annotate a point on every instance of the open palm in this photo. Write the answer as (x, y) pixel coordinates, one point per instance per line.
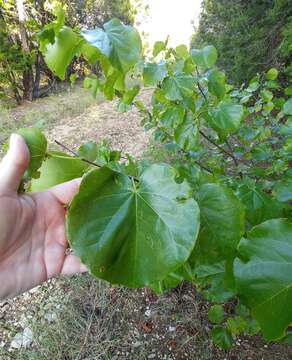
(33, 240)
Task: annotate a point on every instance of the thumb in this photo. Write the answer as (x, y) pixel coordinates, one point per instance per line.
(14, 164)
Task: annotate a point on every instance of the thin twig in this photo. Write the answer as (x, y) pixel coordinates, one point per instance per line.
(76, 154)
(231, 150)
(219, 147)
(204, 167)
(199, 85)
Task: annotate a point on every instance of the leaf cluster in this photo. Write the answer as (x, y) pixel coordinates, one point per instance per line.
(219, 215)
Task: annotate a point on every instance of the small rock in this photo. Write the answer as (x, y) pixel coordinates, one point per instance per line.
(22, 339)
(137, 344)
(151, 356)
(27, 337)
(50, 317)
(23, 321)
(16, 343)
(171, 328)
(148, 313)
(35, 289)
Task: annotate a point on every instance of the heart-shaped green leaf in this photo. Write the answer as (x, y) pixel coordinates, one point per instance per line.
(206, 57)
(226, 118)
(264, 275)
(216, 83)
(222, 224)
(59, 54)
(120, 43)
(133, 233)
(154, 73)
(178, 87)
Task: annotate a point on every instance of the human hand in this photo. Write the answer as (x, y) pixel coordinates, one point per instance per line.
(33, 240)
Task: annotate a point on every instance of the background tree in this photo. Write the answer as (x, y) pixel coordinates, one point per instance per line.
(23, 72)
(251, 36)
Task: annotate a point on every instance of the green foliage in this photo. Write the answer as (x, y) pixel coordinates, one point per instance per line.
(122, 228)
(64, 48)
(216, 314)
(250, 36)
(226, 118)
(154, 73)
(218, 238)
(263, 275)
(37, 145)
(120, 43)
(206, 57)
(231, 150)
(56, 169)
(23, 73)
(222, 337)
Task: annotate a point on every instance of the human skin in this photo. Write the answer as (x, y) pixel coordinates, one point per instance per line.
(33, 243)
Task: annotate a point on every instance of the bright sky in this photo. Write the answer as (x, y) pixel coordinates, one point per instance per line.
(175, 18)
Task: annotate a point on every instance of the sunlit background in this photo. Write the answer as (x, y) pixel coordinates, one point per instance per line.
(175, 18)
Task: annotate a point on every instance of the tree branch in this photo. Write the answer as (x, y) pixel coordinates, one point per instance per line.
(219, 147)
(75, 154)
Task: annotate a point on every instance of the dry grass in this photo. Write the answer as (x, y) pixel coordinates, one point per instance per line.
(47, 112)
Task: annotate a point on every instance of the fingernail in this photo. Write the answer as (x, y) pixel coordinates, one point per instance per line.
(12, 144)
(13, 139)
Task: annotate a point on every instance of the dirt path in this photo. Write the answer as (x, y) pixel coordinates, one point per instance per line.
(103, 121)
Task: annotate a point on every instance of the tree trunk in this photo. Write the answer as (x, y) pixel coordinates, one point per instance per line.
(27, 80)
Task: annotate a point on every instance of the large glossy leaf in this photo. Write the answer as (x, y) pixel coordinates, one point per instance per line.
(58, 168)
(226, 118)
(59, 54)
(259, 206)
(178, 87)
(264, 275)
(120, 43)
(222, 224)
(133, 233)
(206, 57)
(37, 145)
(154, 73)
